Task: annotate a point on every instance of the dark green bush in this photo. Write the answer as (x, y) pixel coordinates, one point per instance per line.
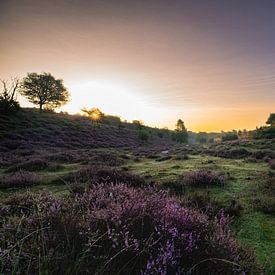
(143, 134)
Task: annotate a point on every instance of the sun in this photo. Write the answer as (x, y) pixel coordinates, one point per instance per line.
(95, 116)
(113, 97)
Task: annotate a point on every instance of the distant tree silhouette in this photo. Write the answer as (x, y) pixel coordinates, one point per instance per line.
(271, 119)
(44, 89)
(93, 113)
(8, 102)
(180, 134)
(180, 126)
(138, 123)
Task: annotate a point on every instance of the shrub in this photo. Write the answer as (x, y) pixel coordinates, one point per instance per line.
(181, 157)
(143, 134)
(202, 201)
(163, 158)
(30, 165)
(106, 158)
(19, 179)
(230, 136)
(8, 107)
(119, 230)
(265, 204)
(8, 102)
(272, 164)
(63, 157)
(101, 174)
(203, 178)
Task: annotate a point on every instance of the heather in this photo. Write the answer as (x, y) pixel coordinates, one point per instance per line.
(19, 179)
(30, 165)
(90, 175)
(116, 229)
(71, 155)
(203, 178)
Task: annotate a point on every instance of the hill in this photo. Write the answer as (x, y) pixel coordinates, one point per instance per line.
(64, 165)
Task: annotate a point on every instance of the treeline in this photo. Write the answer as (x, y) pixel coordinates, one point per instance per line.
(48, 93)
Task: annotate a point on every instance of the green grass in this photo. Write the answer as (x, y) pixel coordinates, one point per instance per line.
(255, 229)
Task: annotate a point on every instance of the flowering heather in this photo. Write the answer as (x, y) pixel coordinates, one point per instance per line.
(103, 174)
(19, 179)
(115, 229)
(30, 165)
(203, 178)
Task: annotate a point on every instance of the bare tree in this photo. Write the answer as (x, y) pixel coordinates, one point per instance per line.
(10, 88)
(8, 102)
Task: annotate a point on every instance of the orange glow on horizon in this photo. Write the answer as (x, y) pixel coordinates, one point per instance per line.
(147, 60)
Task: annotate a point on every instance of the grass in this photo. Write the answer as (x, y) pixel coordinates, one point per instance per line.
(253, 228)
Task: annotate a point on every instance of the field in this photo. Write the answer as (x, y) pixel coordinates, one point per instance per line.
(66, 155)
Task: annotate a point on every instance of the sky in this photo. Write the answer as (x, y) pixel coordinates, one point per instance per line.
(208, 62)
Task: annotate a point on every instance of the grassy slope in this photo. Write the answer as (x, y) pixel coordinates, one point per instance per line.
(253, 227)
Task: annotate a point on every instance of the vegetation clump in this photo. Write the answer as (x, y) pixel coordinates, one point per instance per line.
(30, 165)
(19, 179)
(202, 178)
(91, 175)
(117, 229)
(8, 102)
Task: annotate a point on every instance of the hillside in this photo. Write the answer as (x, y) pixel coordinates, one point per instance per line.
(30, 128)
(56, 162)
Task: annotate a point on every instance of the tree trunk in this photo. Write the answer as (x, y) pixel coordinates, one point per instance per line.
(40, 106)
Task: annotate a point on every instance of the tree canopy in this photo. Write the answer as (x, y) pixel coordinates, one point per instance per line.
(181, 134)
(271, 119)
(93, 113)
(44, 89)
(180, 126)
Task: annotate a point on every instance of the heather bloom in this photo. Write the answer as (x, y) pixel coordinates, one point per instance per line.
(203, 178)
(114, 228)
(19, 179)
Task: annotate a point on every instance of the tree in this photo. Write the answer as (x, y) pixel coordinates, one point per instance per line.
(271, 119)
(180, 134)
(180, 127)
(44, 89)
(94, 113)
(8, 102)
(138, 123)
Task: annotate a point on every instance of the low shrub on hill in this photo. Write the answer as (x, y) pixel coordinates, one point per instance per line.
(115, 229)
(19, 179)
(106, 158)
(30, 165)
(272, 164)
(203, 178)
(91, 175)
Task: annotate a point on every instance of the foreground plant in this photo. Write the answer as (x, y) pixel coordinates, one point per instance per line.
(116, 229)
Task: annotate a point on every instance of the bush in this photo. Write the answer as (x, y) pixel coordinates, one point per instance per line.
(202, 178)
(181, 157)
(143, 134)
(8, 107)
(106, 158)
(265, 204)
(163, 158)
(119, 230)
(19, 179)
(230, 136)
(91, 175)
(272, 164)
(30, 165)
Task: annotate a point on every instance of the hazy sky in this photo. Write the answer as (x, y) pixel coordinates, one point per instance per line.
(209, 62)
